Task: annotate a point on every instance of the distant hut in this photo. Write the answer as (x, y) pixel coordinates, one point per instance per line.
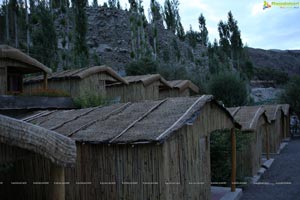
(143, 87)
(146, 150)
(180, 88)
(275, 115)
(31, 159)
(77, 82)
(286, 120)
(254, 126)
(14, 64)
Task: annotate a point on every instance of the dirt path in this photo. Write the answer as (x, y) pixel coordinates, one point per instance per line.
(282, 179)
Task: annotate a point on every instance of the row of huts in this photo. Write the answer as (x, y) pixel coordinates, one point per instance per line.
(144, 150)
(155, 149)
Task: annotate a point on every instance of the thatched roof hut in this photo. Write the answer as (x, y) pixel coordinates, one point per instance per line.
(143, 87)
(14, 64)
(78, 81)
(254, 126)
(180, 88)
(286, 120)
(144, 150)
(275, 116)
(31, 153)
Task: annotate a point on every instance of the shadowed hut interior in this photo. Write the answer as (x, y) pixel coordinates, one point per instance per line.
(30, 155)
(14, 64)
(286, 120)
(145, 150)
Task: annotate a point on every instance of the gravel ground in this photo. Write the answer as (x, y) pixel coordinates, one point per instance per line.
(282, 179)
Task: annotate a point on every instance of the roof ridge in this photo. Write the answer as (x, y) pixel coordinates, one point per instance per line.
(139, 119)
(256, 113)
(174, 124)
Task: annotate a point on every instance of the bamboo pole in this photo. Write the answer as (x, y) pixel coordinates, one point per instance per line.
(233, 160)
(57, 186)
(267, 143)
(45, 81)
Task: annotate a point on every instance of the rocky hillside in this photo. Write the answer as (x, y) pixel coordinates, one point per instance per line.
(109, 36)
(287, 60)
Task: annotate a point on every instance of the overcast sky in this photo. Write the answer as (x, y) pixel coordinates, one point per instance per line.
(272, 28)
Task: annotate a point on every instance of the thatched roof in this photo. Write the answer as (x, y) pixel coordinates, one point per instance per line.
(286, 109)
(79, 74)
(183, 85)
(248, 116)
(147, 79)
(56, 147)
(141, 122)
(10, 53)
(272, 110)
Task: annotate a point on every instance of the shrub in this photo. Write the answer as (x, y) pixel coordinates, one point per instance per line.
(220, 151)
(46, 93)
(90, 99)
(291, 94)
(141, 67)
(229, 89)
(271, 74)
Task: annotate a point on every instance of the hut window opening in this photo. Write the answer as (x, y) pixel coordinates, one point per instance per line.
(14, 83)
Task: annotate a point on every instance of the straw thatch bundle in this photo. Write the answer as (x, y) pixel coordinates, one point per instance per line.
(56, 147)
(9, 54)
(147, 79)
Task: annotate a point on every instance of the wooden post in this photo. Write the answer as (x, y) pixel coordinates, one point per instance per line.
(57, 186)
(233, 160)
(267, 143)
(45, 81)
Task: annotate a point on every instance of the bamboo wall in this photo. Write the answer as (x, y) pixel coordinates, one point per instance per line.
(134, 92)
(177, 169)
(75, 87)
(27, 169)
(249, 158)
(3, 80)
(275, 134)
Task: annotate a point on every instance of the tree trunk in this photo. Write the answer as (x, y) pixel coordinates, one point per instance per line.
(27, 27)
(7, 22)
(16, 29)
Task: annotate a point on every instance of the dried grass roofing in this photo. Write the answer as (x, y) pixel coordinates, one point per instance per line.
(147, 79)
(7, 52)
(56, 147)
(141, 122)
(272, 110)
(79, 74)
(183, 85)
(248, 116)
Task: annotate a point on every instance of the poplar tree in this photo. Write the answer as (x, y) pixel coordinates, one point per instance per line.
(203, 30)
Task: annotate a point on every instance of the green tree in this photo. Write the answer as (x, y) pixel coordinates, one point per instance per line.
(141, 67)
(44, 37)
(193, 37)
(291, 94)
(180, 32)
(203, 30)
(155, 11)
(171, 15)
(81, 53)
(228, 88)
(95, 3)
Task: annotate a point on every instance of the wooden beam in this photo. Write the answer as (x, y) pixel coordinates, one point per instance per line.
(233, 160)
(45, 81)
(57, 186)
